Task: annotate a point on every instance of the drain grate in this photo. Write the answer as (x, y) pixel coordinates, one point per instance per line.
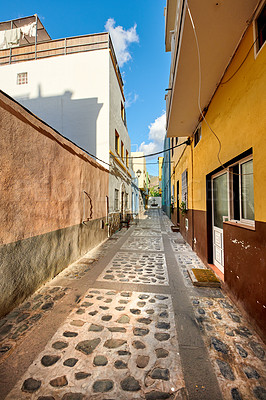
(204, 277)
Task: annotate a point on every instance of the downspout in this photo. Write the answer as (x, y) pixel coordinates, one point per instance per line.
(107, 214)
(192, 195)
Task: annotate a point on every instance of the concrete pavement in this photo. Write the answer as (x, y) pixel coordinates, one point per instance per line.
(125, 322)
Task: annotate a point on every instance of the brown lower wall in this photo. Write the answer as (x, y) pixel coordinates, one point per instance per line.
(186, 233)
(245, 269)
(28, 263)
(245, 261)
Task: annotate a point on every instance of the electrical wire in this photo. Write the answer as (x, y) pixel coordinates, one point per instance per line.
(199, 95)
(187, 142)
(229, 79)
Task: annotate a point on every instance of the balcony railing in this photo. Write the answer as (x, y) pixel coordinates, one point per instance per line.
(60, 47)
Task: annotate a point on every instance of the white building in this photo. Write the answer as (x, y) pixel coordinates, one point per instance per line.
(74, 85)
(139, 168)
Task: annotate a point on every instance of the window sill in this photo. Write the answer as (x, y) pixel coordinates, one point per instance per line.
(241, 225)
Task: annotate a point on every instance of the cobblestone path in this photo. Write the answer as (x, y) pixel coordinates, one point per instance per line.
(140, 330)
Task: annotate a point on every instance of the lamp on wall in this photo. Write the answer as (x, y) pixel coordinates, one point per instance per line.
(138, 173)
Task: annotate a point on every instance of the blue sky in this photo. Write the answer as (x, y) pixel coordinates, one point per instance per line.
(137, 28)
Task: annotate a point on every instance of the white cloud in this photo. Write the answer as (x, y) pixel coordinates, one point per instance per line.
(121, 39)
(131, 98)
(156, 136)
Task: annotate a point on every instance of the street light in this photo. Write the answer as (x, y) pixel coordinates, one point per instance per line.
(138, 173)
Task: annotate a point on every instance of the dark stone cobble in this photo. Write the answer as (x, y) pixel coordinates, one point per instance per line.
(130, 384)
(31, 385)
(226, 370)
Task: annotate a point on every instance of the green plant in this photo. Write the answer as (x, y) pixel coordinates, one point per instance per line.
(183, 208)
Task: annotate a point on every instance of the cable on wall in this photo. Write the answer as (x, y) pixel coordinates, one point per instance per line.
(199, 95)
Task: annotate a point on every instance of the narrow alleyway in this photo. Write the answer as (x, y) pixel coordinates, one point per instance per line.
(125, 322)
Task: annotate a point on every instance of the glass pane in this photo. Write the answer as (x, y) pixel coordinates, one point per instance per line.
(220, 200)
(247, 193)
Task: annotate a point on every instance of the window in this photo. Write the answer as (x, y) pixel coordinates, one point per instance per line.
(261, 28)
(122, 151)
(126, 201)
(241, 192)
(184, 188)
(116, 199)
(197, 135)
(116, 142)
(22, 78)
(122, 111)
(126, 158)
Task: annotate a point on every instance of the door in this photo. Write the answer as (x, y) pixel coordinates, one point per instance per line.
(177, 202)
(220, 213)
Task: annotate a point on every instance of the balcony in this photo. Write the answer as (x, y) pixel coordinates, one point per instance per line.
(43, 46)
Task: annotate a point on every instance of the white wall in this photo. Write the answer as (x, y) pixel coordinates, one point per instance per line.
(139, 164)
(70, 93)
(120, 180)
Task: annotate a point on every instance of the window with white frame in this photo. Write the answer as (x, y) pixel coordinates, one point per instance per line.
(184, 188)
(22, 78)
(116, 199)
(241, 192)
(260, 28)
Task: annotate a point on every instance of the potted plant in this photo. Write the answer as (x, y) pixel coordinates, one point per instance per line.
(183, 208)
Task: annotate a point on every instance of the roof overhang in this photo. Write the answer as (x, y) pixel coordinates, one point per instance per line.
(219, 26)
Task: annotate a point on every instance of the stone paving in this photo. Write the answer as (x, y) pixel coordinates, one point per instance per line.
(118, 343)
(237, 354)
(137, 268)
(20, 321)
(144, 243)
(122, 344)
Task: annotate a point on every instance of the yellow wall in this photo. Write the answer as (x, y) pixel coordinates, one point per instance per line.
(237, 115)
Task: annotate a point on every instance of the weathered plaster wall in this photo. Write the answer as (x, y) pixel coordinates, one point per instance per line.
(42, 204)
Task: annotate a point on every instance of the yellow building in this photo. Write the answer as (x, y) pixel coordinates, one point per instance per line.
(217, 97)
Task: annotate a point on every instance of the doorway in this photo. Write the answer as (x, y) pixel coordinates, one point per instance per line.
(177, 203)
(220, 212)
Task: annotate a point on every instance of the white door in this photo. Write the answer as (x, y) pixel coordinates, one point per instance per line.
(220, 213)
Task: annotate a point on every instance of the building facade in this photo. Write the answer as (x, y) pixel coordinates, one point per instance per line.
(51, 210)
(139, 168)
(74, 84)
(218, 99)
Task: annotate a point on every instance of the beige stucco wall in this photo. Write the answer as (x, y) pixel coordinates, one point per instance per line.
(43, 177)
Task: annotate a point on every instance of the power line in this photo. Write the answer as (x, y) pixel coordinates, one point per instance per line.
(199, 95)
(187, 142)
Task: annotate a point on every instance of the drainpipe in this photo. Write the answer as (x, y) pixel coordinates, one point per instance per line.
(107, 214)
(192, 194)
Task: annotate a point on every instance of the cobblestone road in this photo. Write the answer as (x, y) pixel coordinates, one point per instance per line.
(139, 329)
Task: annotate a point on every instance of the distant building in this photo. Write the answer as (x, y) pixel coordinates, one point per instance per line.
(139, 167)
(221, 176)
(74, 84)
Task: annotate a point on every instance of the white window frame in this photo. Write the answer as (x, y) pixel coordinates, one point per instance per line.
(255, 31)
(241, 220)
(184, 181)
(22, 78)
